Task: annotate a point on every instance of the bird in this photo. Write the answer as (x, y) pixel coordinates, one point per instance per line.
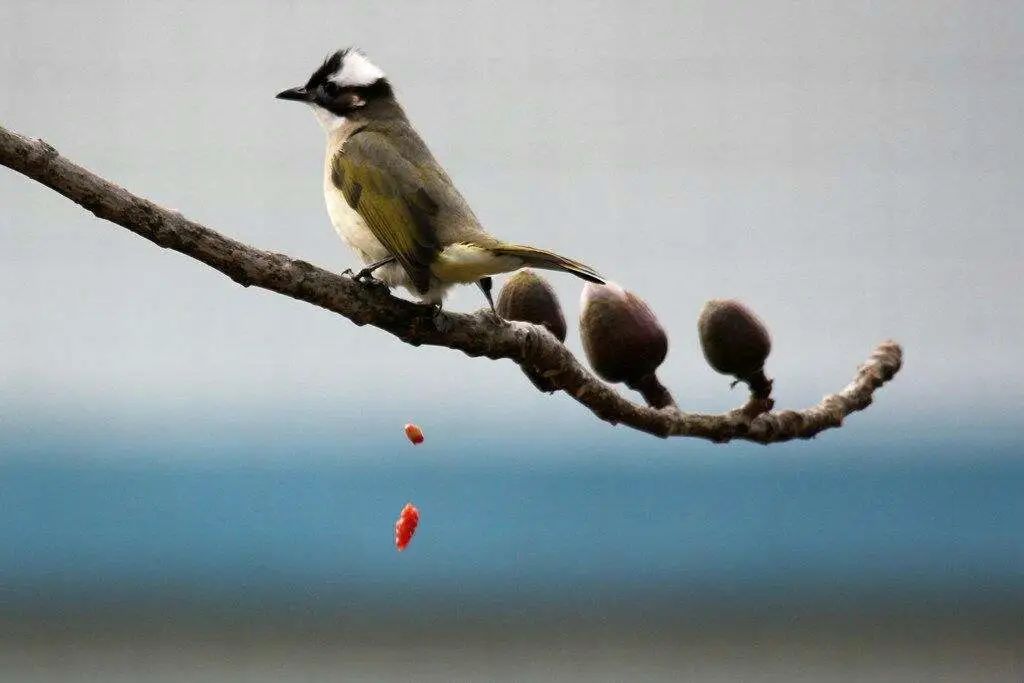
(392, 202)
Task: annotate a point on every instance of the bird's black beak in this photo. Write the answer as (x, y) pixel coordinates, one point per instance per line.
(299, 94)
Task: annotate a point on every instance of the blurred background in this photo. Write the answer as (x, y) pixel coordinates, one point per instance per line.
(200, 482)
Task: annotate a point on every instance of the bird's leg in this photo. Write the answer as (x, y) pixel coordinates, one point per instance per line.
(485, 284)
(366, 274)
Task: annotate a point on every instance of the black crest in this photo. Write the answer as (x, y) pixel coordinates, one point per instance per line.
(330, 66)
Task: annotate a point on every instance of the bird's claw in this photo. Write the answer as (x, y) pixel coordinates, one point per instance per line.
(365, 277)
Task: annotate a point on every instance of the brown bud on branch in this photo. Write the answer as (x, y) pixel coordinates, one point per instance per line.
(529, 298)
(623, 340)
(736, 342)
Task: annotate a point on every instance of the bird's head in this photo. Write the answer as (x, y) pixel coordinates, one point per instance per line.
(346, 87)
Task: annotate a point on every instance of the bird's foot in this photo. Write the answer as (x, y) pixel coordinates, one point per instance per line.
(365, 276)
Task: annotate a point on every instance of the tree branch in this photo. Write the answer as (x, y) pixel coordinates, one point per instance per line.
(479, 334)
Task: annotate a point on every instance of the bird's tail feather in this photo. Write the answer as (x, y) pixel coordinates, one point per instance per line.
(549, 260)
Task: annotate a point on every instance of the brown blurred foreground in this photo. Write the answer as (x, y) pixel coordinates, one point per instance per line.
(981, 647)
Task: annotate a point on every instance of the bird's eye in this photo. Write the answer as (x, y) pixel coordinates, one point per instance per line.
(332, 89)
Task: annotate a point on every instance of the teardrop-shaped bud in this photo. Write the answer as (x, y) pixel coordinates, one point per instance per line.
(736, 342)
(529, 298)
(623, 339)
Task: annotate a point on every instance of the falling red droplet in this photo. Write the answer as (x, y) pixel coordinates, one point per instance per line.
(414, 433)
(406, 525)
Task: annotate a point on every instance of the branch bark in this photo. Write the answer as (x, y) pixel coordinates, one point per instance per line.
(479, 334)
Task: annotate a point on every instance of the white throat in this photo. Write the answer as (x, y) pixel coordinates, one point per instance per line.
(330, 121)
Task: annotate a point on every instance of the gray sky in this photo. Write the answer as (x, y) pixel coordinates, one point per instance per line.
(852, 170)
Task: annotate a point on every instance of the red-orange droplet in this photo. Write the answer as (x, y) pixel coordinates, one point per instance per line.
(414, 433)
(405, 527)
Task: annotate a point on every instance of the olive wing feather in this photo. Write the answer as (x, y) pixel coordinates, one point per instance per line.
(387, 191)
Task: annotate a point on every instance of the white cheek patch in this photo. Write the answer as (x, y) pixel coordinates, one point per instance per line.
(357, 70)
(329, 120)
